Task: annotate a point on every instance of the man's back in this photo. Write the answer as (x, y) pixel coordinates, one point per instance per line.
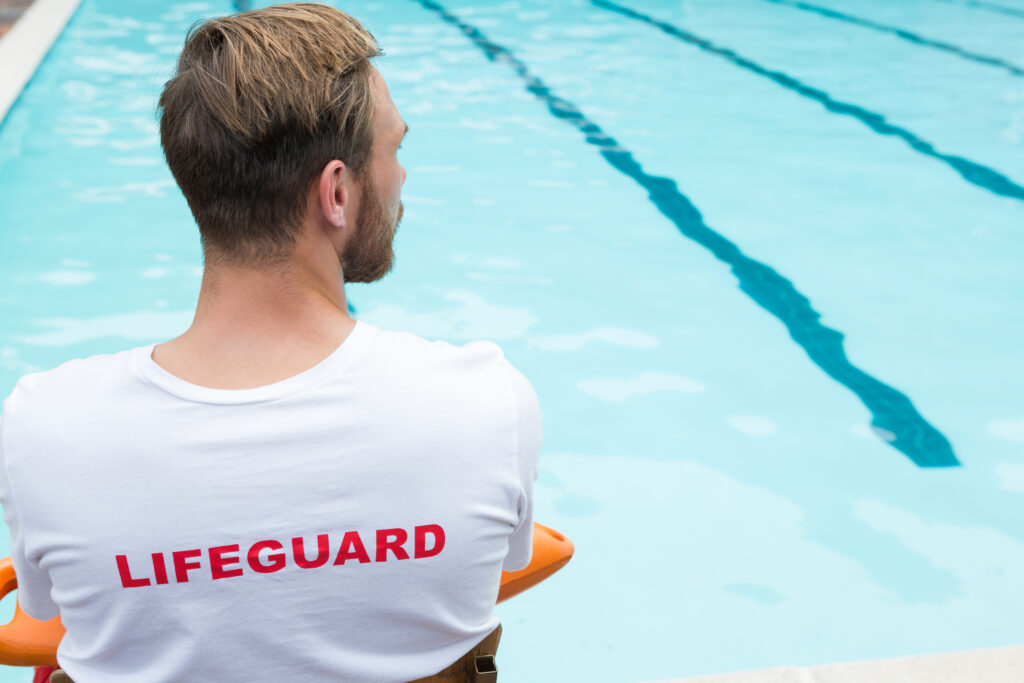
(349, 523)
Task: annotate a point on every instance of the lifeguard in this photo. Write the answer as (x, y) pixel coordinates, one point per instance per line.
(187, 507)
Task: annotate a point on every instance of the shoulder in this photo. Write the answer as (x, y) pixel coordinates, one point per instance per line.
(73, 373)
(37, 396)
(476, 371)
(409, 347)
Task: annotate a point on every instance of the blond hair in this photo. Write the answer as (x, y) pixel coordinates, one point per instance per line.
(260, 102)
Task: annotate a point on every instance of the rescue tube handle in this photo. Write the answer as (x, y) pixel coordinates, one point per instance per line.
(25, 641)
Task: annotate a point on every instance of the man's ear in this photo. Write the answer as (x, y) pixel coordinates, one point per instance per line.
(333, 194)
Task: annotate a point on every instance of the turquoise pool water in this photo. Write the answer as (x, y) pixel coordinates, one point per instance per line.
(761, 260)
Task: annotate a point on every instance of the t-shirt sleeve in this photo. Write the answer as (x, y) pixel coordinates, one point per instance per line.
(33, 583)
(528, 442)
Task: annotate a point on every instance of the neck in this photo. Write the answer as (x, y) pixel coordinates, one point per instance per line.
(301, 301)
(257, 326)
(235, 302)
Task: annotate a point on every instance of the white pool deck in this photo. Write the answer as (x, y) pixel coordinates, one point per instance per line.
(25, 45)
(996, 665)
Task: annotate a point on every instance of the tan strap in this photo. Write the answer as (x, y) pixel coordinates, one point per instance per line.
(476, 666)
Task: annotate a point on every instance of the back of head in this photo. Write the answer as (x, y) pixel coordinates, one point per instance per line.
(259, 104)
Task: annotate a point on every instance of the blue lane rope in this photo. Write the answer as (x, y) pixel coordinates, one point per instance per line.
(915, 38)
(974, 173)
(990, 6)
(890, 409)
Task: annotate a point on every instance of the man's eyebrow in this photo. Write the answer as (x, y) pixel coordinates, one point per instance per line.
(405, 131)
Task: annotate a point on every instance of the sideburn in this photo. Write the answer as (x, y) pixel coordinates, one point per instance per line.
(368, 254)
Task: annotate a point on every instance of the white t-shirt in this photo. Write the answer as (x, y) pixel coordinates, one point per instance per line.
(348, 523)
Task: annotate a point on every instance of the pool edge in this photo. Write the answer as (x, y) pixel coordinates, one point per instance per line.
(26, 44)
(992, 665)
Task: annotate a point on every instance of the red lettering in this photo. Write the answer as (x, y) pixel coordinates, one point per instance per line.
(182, 565)
(218, 562)
(323, 552)
(398, 537)
(277, 560)
(126, 576)
(357, 552)
(159, 568)
(267, 557)
(421, 540)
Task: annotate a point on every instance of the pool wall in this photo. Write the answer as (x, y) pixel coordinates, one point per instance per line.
(23, 48)
(993, 665)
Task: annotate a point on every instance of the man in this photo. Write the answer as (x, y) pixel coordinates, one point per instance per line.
(281, 492)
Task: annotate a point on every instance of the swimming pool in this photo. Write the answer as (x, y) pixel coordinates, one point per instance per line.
(761, 262)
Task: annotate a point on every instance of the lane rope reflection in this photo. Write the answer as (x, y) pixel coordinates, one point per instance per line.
(988, 6)
(909, 36)
(974, 173)
(891, 410)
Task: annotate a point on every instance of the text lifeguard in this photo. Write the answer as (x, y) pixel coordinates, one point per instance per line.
(268, 556)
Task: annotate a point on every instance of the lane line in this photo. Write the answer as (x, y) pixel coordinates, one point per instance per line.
(990, 6)
(974, 173)
(890, 409)
(904, 34)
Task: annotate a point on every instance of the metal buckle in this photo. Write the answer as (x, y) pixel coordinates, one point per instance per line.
(485, 670)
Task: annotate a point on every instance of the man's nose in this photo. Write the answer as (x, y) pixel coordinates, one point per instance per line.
(403, 175)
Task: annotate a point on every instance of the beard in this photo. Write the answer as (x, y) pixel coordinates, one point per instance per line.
(368, 254)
